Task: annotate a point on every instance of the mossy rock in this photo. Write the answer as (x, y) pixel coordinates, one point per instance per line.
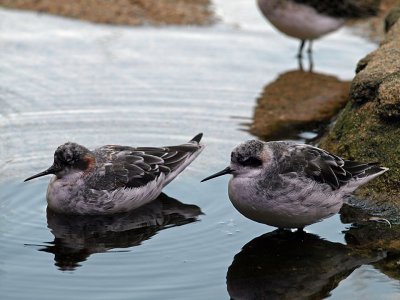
(368, 129)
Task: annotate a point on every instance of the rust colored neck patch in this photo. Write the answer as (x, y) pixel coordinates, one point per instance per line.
(90, 163)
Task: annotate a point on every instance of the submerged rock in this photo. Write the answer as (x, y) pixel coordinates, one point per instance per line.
(299, 100)
(368, 129)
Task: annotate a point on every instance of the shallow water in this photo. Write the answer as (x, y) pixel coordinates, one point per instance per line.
(64, 79)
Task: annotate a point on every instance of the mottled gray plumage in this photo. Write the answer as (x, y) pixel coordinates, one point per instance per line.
(290, 185)
(344, 8)
(113, 178)
(308, 20)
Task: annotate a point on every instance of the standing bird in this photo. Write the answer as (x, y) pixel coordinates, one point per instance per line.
(113, 179)
(308, 20)
(290, 185)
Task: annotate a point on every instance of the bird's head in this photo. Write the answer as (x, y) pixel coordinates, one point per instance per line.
(248, 159)
(68, 158)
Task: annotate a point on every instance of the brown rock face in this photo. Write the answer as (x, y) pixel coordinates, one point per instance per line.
(297, 100)
(129, 12)
(369, 127)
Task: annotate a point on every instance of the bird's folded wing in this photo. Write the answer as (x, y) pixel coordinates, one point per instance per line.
(132, 167)
(320, 165)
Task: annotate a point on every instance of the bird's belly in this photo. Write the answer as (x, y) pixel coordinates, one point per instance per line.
(284, 209)
(300, 21)
(67, 198)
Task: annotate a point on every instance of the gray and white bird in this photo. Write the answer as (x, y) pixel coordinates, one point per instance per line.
(290, 185)
(113, 179)
(308, 20)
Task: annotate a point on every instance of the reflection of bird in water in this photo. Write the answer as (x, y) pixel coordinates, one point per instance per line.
(308, 20)
(290, 185)
(286, 265)
(113, 179)
(77, 237)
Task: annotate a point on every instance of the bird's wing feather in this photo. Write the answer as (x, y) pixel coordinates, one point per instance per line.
(133, 167)
(344, 8)
(317, 164)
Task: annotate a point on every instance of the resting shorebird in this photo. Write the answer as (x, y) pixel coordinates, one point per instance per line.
(290, 185)
(113, 179)
(308, 20)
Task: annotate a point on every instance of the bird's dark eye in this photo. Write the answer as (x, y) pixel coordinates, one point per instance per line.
(251, 162)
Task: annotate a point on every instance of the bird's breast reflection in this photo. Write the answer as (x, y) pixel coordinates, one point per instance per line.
(77, 237)
(287, 265)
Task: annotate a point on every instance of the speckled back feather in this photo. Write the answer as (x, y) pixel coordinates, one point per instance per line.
(344, 8)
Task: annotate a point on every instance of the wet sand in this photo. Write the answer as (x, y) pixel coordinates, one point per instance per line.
(123, 12)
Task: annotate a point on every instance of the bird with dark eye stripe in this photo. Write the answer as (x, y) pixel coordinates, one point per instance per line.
(291, 185)
(113, 179)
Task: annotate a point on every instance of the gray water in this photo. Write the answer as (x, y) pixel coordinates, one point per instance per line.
(63, 79)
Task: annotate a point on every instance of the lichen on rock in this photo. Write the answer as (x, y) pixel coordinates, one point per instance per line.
(368, 129)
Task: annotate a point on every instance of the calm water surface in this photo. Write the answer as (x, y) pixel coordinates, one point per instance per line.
(63, 80)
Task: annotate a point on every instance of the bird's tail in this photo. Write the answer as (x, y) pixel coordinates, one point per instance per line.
(197, 138)
(371, 171)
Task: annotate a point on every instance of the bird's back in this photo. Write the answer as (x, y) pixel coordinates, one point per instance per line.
(324, 167)
(134, 167)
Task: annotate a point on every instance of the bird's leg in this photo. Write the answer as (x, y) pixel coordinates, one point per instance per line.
(300, 53)
(309, 50)
(310, 56)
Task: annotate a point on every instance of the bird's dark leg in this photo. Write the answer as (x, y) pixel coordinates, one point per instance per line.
(310, 56)
(309, 50)
(300, 55)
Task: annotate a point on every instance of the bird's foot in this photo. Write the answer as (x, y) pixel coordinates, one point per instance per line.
(380, 220)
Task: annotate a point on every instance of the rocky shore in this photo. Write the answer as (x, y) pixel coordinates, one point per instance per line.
(368, 129)
(123, 12)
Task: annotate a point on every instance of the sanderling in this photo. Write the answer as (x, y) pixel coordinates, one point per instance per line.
(112, 178)
(290, 185)
(308, 20)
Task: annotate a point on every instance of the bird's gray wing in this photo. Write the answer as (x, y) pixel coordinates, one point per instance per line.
(344, 8)
(319, 165)
(132, 167)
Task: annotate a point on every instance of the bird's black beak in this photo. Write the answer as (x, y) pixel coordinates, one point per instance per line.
(225, 171)
(51, 170)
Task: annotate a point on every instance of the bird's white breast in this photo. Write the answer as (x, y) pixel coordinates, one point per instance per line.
(285, 208)
(70, 195)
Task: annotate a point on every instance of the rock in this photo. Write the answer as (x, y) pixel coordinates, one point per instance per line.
(297, 100)
(389, 98)
(392, 18)
(138, 12)
(366, 235)
(368, 129)
(373, 28)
